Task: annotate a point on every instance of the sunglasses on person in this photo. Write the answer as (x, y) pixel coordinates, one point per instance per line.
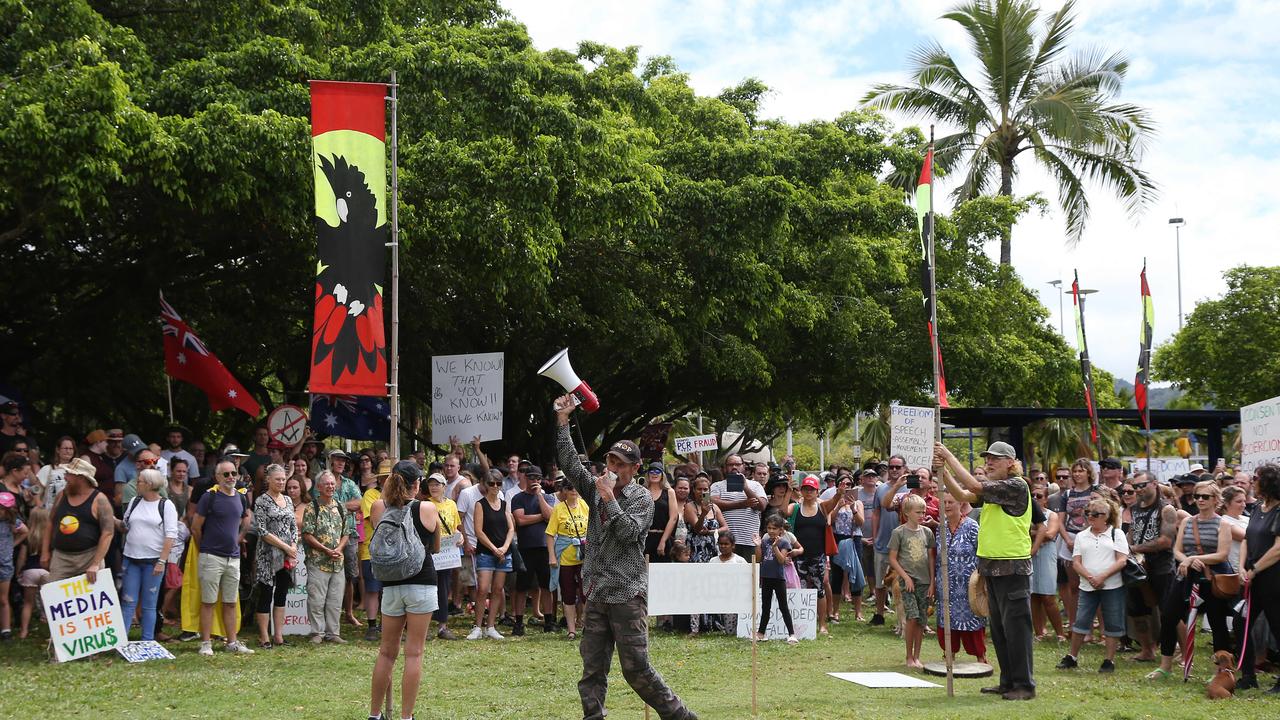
(146, 462)
(1062, 477)
(1203, 496)
(896, 467)
(227, 474)
(1128, 492)
(1139, 487)
(1097, 514)
(494, 483)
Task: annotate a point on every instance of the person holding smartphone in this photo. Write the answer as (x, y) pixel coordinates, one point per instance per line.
(741, 501)
(615, 614)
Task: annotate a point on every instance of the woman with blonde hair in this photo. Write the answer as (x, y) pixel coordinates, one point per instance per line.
(1099, 555)
(1201, 547)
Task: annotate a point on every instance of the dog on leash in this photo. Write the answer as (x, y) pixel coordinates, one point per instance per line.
(1223, 684)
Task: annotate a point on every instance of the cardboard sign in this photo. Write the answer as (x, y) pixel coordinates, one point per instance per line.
(803, 605)
(695, 588)
(696, 443)
(143, 651)
(466, 396)
(84, 617)
(297, 621)
(1260, 434)
(287, 424)
(450, 555)
(911, 435)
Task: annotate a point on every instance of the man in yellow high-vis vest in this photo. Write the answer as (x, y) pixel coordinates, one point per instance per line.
(1004, 558)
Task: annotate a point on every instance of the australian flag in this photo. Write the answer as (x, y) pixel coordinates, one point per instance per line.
(358, 417)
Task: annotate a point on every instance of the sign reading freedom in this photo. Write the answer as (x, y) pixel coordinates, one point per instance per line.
(84, 617)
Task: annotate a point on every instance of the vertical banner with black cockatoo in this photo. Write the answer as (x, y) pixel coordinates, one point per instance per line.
(348, 135)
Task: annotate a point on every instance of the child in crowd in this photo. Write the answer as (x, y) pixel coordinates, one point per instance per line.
(12, 531)
(911, 555)
(680, 553)
(726, 622)
(30, 573)
(774, 552)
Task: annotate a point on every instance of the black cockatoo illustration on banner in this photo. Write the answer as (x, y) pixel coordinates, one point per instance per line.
(348, 345)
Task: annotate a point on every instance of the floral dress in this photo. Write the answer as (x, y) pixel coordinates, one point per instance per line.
(962, 560)
(268, 517)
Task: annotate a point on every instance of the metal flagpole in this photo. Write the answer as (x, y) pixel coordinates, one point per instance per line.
(394, 364)
(949, 652)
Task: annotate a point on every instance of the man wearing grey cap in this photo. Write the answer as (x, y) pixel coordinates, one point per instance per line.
(615, 576)
(1004, 558)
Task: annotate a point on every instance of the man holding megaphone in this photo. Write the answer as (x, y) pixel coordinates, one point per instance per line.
(615, 576)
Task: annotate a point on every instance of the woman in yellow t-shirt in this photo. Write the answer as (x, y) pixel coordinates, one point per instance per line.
(566, 547)
(450, 523)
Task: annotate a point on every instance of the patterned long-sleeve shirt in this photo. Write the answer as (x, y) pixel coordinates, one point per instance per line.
(614, 570)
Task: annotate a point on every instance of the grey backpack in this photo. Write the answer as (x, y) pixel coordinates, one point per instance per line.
(396, 551)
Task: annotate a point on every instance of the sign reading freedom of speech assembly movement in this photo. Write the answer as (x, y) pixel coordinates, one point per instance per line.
(911, 435)
(689, 445)
(1260, 434)
(84, 617)
(466, 397)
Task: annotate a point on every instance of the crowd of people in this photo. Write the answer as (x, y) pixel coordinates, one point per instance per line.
(200, 542)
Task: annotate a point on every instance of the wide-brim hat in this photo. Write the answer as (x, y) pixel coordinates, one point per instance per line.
(384, 469)
(83, 468)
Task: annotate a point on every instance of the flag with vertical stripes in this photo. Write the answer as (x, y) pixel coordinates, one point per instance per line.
(1144, 352)
(1086, 370)
(924, 222)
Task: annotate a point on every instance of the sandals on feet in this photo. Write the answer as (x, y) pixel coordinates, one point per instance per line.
(1159, 674)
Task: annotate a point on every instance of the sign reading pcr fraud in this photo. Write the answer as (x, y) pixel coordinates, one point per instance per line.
(84, 617)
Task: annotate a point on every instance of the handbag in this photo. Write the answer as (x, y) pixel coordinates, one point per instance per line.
(1225, 586)
(1133, 572)
(978, 595)
(791, 576)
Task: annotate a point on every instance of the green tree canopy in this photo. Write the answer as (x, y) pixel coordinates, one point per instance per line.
(1228, 353)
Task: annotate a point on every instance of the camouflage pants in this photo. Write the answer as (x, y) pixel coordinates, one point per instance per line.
(626, 626)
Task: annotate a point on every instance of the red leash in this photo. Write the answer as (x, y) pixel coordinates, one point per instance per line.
(1248, 610)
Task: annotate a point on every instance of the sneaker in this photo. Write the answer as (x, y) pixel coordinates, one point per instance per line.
(188, 636)
(791, 640)
(877, 619)
(454, 610)
(335, 639)
(1275, 689)
(1107, 667)
(492, 633)
(476, 633)
(6, 635)
(206, 648)
(446, 634)
(517, 630)
(316, 639)
(1068, 663)
(373, 633)
(238, 648)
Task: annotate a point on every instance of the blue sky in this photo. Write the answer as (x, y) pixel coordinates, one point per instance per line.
(1205, 70)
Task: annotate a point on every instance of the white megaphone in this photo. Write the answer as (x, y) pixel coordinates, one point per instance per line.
(559, 369)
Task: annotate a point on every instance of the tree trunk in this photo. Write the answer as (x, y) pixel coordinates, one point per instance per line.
(1006, 235)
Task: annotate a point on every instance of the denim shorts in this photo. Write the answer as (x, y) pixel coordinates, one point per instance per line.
(1112, 602)
(416, 599)
(371, 583)
(485, 561)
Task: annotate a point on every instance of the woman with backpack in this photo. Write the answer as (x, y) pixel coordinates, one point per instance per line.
(151, 525)
(404, 530)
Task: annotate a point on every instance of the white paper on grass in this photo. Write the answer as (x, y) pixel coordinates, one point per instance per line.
(883, 680)
(694, 588)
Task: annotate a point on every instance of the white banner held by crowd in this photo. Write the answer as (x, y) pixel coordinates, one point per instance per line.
(466, 396)
(1260, 434)
(696, 443)
(911, 435)
(803, 605)
(695, 588)
(84, 617)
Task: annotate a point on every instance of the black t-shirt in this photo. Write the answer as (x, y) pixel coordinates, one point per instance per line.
(1261, 536)
(533, 535)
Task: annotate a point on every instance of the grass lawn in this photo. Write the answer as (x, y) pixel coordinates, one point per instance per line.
(536, 676)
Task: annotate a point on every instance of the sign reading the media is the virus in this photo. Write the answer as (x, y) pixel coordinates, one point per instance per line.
(84, 617)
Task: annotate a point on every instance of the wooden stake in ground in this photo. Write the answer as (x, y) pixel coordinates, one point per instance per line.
(755, 588)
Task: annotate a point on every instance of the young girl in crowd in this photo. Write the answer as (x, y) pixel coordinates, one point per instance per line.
(774, 552)
(31, 575)
(726, 622)
(12, 531)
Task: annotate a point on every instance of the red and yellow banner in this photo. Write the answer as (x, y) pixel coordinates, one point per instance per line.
(348, 136)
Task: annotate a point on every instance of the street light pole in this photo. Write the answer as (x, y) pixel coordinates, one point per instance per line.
(1062, 327)
(1177, 224)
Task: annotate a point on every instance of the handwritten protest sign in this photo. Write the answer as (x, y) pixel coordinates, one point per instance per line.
(84, 617)
(688, 589)
(804, 617)
(1260, 434)
(450, 555)
(697, 443)
(142, 651)
(911, 435)
(466, 396)
(296, 619)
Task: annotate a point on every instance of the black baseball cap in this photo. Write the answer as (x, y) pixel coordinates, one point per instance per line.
(1110, 463)
(533, 471)
(1187, 479)
(626, 451)
(409, 470)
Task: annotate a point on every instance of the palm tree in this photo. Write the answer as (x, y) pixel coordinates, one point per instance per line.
(1029, 98)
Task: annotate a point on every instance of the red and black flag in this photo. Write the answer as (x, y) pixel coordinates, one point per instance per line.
(924, 222)
(1086, 370)
(1144, 352)
(187, 359)
(348, 135)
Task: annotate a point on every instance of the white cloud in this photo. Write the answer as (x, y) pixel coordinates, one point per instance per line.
(1205, 70)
